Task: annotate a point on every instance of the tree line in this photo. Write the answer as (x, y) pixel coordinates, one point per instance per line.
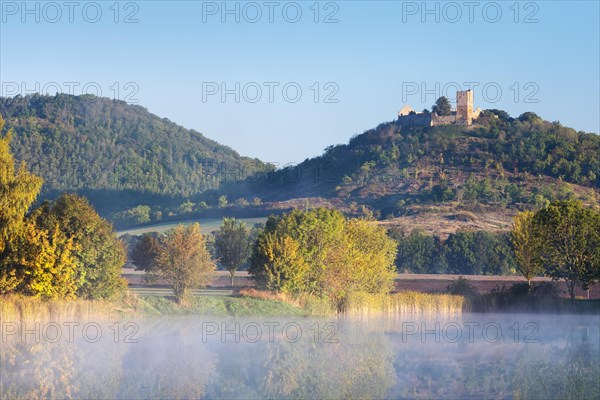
(317, 252)
(322, 253)
(561, 240)
(463, 252)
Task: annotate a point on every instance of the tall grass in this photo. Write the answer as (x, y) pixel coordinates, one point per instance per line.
(361, 303)
(16, 308)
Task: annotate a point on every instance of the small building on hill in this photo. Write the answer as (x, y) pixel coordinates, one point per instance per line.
(406, 110)
(463, 115)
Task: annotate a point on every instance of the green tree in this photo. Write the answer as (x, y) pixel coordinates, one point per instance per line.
(479, 253)
(526, 245)
(315, 231)
(223, 201)
(136, 215)
(569, 235)
(232, 245)
(184, 261)
(242, 202)
(99, 253)
(442, 106)
(420, 253)
(186, 208)
(139, 214)
(146, 252)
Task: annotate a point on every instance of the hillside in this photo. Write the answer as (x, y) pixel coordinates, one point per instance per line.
(137, 168)
(116, 154)
(498, 163)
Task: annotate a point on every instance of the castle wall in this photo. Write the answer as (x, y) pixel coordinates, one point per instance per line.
(443, 119)
(415, 119)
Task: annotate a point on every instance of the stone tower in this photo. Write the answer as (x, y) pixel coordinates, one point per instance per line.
(464, 107)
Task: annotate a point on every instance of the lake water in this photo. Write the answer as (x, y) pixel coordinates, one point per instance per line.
(469, 356)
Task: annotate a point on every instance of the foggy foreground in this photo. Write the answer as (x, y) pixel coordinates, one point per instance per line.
(469, 356)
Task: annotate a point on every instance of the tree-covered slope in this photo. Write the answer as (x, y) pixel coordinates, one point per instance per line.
(499, 162)
(89, 143)
(121, 156)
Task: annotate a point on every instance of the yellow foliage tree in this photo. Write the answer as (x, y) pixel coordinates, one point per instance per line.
(184, 261)
(45, 264)
(285, 269)
(361, 260)
(18, 190)
(323, 253)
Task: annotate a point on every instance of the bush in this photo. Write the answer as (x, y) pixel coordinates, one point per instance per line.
(462, 287)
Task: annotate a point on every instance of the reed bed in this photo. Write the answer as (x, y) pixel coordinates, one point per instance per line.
(404, 303)
(362, 303)
(16, 308)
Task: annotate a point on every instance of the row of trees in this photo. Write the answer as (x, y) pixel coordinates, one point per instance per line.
(316, 252)
(561, 240)
(182, 256)
(320, 252)
(143, 214)
(61, 249)
(464, 252)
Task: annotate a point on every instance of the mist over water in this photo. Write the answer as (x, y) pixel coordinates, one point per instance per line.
(468, 356)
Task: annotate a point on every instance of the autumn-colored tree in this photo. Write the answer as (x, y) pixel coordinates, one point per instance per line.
(232, 245)
(321, 252)
(362, 260)
(100, 255)
(18, 190)
(315, 232)
(526, 244)
(45, 263)
(283, 268)
(184, 261)
(145, 252)
(374, 253)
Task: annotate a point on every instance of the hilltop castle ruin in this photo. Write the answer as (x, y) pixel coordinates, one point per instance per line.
(463, 115)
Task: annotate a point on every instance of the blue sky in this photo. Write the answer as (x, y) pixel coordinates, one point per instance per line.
(356, 66)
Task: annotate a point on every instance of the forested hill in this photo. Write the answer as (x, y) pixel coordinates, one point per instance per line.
(498, 162)
(90, 143)
(124, 159)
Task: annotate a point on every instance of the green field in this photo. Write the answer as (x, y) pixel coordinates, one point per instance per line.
(207, 225)
(219, 306)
